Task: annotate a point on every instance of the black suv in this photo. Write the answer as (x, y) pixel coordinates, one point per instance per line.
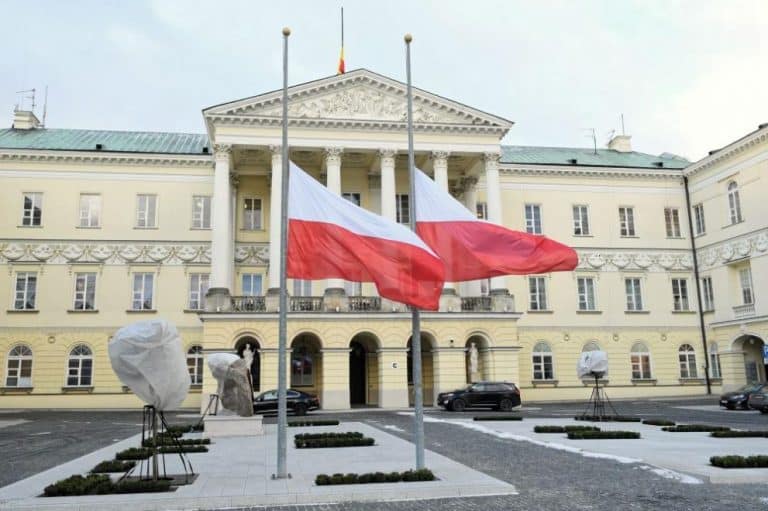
(497, 395)
(299, 402)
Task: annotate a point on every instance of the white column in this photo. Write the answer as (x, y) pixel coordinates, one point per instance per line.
(274, 217)
(388, 183)
(440, 166)
(333, 183)
(493, 203)
(221, 236)
(469, 184)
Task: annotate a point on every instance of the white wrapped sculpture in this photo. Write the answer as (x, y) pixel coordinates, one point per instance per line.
(234, 384)
(592, 363)
(148, 358)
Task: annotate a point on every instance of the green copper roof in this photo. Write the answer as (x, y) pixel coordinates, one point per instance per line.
(587, 157)
(111, 141)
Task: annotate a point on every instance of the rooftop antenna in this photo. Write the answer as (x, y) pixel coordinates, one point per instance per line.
(23, 97)
(622, 125)
(45, 107)
(594, 138)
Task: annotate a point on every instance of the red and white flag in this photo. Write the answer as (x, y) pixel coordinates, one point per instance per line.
(474, 249)
(330, 237)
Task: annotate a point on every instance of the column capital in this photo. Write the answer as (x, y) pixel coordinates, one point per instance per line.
(441, 156)
(222, 152)
(387, 153)
(333, 155)
(491, 158)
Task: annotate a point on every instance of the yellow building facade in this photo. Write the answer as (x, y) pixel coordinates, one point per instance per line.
(99, 229)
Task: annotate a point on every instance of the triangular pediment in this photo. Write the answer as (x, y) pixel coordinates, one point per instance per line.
(359, 95)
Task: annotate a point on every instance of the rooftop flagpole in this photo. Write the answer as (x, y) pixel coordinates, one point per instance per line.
(418, 398)
(282, 404)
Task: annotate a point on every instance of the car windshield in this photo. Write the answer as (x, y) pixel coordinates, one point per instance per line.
(750, 387)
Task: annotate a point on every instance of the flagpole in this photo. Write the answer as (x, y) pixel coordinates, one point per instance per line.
(418, 399)
(282, 408)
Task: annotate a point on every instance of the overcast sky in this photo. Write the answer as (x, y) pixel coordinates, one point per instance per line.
(689, 76)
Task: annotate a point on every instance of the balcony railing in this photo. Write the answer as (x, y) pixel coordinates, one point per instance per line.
(306, 303)
(364, 304)
(744, 311)
(248, 304)
(475, 303)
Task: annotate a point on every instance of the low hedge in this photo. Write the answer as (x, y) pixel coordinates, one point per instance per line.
(113, 466)
(173, 449)
(166, 441)
(333, 442)
(602, 435)
(694, 428)
(408, 476)
(135, 453)
(498, 418)
(99, 484)
(659, 422)
(180, 429)
(317, 436)
(607, 418)
(739, 434)
(734, 461)
(563, 429)
(313, 422)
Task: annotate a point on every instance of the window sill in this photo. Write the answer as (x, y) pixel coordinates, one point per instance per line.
(684, 312)
(544, 383)
(588, 311)
(541, 311)
(583, 236)
(82, 311)
(637, 312)
(23, 311)
(734, 223)
(16, 390)
(716, 381)
(675, 238)
(691, 381)
(629, 236)
(193, 311)
(591, 382)
(707, 311)
(77, 389)
(644, 381)
(200, 228)
(136, 227)
(29, 226)
(699, 235)
(260, 229)
(196, 388)
(87, 227)
(141, 311)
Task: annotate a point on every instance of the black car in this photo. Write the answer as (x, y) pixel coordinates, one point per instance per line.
(298, 402)
(497, 395)
(740, 397)
(759, 400)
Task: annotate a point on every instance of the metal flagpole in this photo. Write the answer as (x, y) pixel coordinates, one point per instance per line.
(418, 399)
(282, 408)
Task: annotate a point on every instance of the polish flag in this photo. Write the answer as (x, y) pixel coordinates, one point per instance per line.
(330, 237)
(474, 249)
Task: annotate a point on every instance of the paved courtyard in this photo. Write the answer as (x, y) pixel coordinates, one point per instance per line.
(546, 479)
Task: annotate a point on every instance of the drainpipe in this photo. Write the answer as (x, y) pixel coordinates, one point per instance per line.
(698, 285)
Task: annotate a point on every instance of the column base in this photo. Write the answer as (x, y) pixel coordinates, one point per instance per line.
(502, 301)
(335, 300)
(218, 299)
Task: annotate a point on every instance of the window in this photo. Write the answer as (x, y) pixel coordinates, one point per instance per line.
(687, 358)
(708, 294)
(745, 279)
(698, 219)
(627, 221)
(201, 212)
(32, 213)
(403, 208)
(19, 368)
(734, 203)
(353, 288)
(143, 291)
(672, 222)
(85, 292)
(714, 361)
(533, 219)
(90, 210)
(198, 287)
(195, 364)
(352, 197)
(538, 293)
(251, 214)
(302, 366)
(26, 291)
(680, 295)
(634, 294)
(481, 209)
(146, 211)
(580, 221)
(640, 359)
(80, 367)
(586, 287)
(251, 284)
(302, 287)
(542, 362)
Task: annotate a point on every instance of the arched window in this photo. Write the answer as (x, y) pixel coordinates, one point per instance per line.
(687, 357)
(80, 367)
(195, 364)
(714, 361)
(734, 202)
(19, 368)
(302, 365)
(542, 362)
(640, 359)
(591, 346)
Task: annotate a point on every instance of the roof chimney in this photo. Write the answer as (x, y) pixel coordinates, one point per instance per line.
(25, 120)
(621, 143)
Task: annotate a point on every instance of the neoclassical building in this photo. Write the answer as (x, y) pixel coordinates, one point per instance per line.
(102, 228)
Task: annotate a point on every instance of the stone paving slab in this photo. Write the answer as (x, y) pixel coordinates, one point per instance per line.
(236, 473)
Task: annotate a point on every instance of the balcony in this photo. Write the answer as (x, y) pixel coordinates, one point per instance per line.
(249, 304)
(305, 303)
(364, 304)
(744, 311)
(475, 304)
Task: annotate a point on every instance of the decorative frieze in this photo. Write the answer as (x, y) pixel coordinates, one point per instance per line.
(624, 260)
(733, 249)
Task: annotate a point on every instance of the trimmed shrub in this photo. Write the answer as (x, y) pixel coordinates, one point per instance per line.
(379, 477)
(333, 442)
(322, 480)
(602, 435)
(317, 436)
(563, 429)
(607, 418)
(167, 441)
(394, 477)
(739, 434)
(498, 418)
(734, 461)
(135, 453)
(141, 486)
(98, 484)
(375, 477)
(659, 422)
(173, 449)
(694, 428)
(113, 466)
(313, 422)
(180, 429)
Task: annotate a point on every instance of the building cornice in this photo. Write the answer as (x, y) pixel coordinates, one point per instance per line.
(588, 171)
(105, 158)
(743, 144)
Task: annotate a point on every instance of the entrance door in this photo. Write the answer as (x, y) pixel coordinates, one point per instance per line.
(357, 369)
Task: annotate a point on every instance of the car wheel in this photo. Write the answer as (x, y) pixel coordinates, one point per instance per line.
(745, 405)
(731, 406)
(300, 409)
(458, 405)
(505, 405)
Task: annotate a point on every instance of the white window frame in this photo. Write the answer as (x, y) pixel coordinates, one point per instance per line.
(28, 214)
(353, 197)
(686, 356)
(302, 287)
(82, 370)
(195, 360)
(543, 362)
(587, 296)
(537, 292)
(14, 366)
(745, 283)
(402, 208)
(89, 213)
(146, 211)
(247, 280)
(734, 203)
(640, 362)
(634, 296)
(22, 296)
(581, 226)
(201, 211)
(85, 288)
(707, 294)
(139, 296)
(481, 210)
(699, 221)
(672, 222)
(253, 217)
(680, 297)
(627, 222)
(198, 287)
(533, 219)
(715, 371)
